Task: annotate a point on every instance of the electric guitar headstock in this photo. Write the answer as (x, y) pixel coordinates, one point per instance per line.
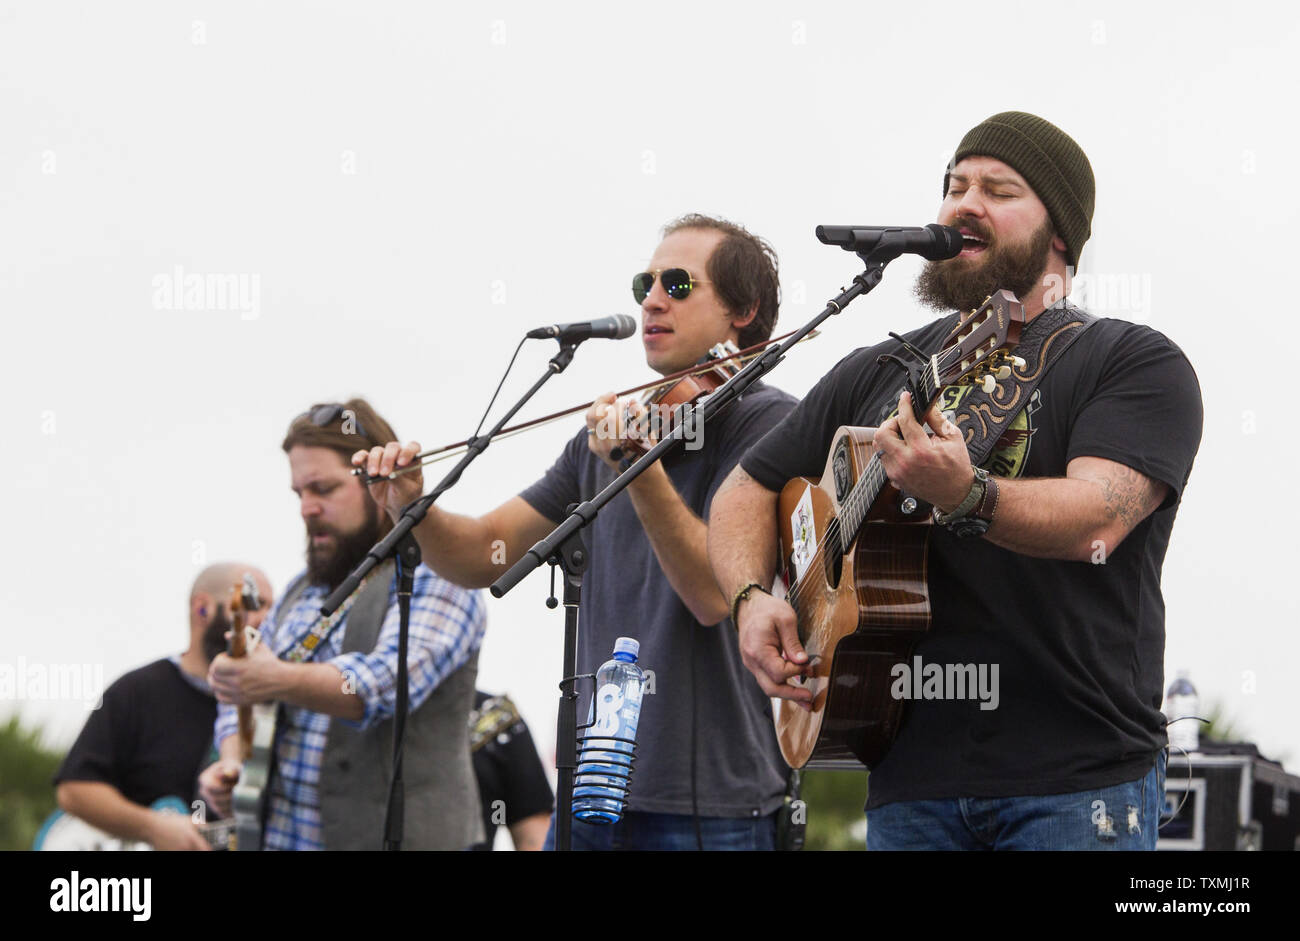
(244, 598)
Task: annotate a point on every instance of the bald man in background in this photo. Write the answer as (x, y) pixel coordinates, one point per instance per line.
(153, 733)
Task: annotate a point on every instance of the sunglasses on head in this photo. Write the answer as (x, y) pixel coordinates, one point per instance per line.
(677, 283)
(324, 415)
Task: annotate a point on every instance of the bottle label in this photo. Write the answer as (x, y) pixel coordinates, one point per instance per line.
(609, 700)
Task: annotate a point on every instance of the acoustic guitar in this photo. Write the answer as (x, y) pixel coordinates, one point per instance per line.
(853, 551)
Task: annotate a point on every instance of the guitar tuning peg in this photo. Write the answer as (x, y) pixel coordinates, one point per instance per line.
(1018, 362)
(989, 384)
(1004, 372)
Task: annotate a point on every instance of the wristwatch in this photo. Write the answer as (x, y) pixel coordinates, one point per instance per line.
(973, 516)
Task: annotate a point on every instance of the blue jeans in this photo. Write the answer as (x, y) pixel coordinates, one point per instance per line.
(1121, 817)
(671, 832)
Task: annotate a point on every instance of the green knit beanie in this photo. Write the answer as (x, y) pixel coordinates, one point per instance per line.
(1054, 166)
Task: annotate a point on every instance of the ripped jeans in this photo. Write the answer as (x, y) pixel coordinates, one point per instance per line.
(1121, 817)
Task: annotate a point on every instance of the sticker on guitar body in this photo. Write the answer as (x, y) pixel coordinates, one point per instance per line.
(804, 535)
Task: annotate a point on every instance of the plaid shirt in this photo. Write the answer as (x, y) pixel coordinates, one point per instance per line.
(447, 626)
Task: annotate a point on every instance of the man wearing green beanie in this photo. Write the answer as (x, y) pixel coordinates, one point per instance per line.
(1043, 569)
(1013, 175)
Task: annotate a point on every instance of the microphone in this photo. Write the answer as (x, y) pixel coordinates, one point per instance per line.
(934, 242)
(617, 327)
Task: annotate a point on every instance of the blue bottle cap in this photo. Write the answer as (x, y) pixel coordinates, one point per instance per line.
(627, 645)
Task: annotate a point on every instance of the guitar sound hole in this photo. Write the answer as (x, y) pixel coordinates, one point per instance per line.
(834, 566)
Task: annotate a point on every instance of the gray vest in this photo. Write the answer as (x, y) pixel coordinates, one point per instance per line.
(442, 802)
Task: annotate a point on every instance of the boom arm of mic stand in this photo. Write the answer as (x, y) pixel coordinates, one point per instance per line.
(723, 396)
(415, 511)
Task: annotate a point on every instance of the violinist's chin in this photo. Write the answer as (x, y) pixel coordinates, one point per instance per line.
(659, 352)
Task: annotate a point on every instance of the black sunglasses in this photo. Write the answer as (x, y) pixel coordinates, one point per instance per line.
(324, 415)
(677, 283)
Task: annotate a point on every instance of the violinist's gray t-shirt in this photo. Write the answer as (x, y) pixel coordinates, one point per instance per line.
(702, 693)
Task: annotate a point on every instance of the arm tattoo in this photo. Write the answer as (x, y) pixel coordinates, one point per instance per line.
(1130, 496)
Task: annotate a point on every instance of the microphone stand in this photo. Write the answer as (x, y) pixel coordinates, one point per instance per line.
(563, 543)
(400, 544)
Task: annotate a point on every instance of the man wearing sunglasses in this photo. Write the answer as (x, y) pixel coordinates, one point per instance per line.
(1044, 568)
(708, 773)
(336, 678)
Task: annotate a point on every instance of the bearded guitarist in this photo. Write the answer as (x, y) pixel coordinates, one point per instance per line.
(1044, 564)
(335, 678)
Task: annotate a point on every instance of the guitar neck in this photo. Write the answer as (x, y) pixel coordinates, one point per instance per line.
(239, 648)
(855, 507)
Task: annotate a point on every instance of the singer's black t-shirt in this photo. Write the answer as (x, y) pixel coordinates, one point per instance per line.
(1078, 646)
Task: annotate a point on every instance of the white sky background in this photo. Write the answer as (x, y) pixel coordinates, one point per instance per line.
(511, 165)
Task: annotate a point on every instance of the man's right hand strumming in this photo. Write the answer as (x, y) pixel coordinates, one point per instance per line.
(742, 551)
(770, 648)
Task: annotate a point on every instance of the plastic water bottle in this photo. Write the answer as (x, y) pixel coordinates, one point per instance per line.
(1181, 701)
(600, 786)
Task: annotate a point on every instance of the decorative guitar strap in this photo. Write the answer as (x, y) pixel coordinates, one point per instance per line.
(306, 645)
(984, 416)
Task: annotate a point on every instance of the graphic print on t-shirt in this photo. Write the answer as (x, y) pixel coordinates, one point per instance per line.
(1011, 452)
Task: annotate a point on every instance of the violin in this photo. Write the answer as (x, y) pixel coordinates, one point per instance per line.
(663, 407)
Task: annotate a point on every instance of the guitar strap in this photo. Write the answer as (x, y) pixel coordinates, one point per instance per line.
(983, 416)
(306, 646)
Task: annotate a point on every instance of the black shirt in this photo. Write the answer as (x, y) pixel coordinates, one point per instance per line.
(512, 783)
(1079, 646)
(151, 738)
(697, 690)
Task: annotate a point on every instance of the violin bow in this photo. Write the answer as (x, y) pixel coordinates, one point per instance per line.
(448, 451)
